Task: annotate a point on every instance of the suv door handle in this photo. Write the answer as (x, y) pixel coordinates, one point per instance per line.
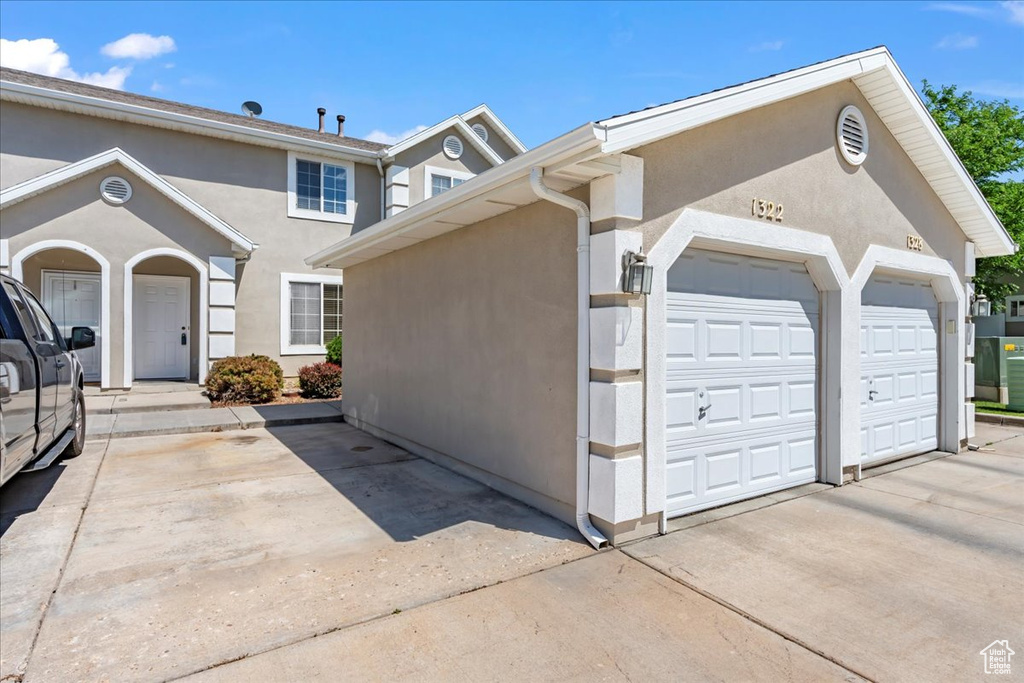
(59, 363)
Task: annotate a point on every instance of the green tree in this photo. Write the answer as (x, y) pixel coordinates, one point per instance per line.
(989, 138)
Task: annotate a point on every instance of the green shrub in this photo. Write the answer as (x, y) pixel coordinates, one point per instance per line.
(320, 380)
(245, 379)
(334, 351)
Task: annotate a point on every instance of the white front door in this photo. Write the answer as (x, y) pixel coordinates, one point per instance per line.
(73, 299)
(161, 326)
(899, 363)
(741, 403)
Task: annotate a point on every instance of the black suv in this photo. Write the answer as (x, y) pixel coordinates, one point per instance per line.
(42, 405)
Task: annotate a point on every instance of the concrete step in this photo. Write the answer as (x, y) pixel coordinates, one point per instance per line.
(116, 404)
(121, 425)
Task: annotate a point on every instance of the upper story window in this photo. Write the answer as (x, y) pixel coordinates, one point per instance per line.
(440, 180)
(1015, 309)
(320, 189)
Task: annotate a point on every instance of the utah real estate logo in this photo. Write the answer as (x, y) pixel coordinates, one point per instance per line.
(997, 657)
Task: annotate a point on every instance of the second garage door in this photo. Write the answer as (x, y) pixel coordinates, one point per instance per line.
(741, 417)
(899, 368)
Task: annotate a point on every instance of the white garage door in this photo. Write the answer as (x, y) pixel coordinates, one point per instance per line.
(741, 416)
(899, 368)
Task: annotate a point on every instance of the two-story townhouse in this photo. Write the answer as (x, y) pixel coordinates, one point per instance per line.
(178, 232)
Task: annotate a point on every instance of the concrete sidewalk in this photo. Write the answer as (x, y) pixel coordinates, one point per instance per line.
(163, 422)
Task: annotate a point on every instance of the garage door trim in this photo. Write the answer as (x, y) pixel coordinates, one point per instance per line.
(703, 230)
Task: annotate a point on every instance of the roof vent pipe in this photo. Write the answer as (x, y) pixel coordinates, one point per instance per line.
(321, 111)
(583, 522)
(341, 125)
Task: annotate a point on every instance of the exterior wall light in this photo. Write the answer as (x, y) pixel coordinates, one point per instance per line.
(638, 275)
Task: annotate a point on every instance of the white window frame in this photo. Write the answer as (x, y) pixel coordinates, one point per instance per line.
(350, 189)
(1020, 307)
(429, 171)
(287, 348)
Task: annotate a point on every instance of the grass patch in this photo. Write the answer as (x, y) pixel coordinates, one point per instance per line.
(996, 408)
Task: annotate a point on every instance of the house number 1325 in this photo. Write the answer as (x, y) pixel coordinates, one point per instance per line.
(765, 209)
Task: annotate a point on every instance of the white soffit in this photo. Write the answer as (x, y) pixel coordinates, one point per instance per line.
(891, 96)
(589, 152)
(65, 174)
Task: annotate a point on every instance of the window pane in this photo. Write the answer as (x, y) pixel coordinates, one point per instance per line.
(332, 312)
(307, 186)
(304, 324)
(439, 184)
(457, 181)
(335, 189)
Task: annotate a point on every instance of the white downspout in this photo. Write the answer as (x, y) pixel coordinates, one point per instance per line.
(583, 523)
(380, 170)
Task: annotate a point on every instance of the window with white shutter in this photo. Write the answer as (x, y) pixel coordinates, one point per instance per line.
(311, 312)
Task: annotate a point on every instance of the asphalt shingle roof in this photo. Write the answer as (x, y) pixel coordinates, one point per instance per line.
(73, 87)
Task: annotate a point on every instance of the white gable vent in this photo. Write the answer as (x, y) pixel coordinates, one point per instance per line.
(452, 147)
(479, 129)
(115, 190)
(852, 135)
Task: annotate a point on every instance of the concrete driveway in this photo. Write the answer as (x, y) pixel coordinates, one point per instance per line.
(219, 557)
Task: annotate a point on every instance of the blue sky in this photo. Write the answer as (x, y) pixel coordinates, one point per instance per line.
(544, 67)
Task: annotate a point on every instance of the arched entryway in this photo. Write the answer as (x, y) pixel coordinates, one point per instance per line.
(166, 310)
(72, 281)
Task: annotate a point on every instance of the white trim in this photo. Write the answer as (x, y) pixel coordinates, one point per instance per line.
(700, 229)
(451, 122)
(350, 190)
(66, 174)
(287, 348)
(46, 292)
(129, 307)
(497, 124)
(949, 291)
(134, 113)
(429, 171)
(5, 252)
(187, 369)
(17, 272)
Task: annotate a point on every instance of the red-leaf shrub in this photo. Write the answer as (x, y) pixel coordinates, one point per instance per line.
(245, 379)
(320, 380)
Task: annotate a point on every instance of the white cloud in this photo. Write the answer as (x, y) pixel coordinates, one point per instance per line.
(957, 41)
(139, 46)
(767, 46)
(1016, 10)
(44, 56)
(1001, 89)
(389, 139)
(959, 8)
(157, 87)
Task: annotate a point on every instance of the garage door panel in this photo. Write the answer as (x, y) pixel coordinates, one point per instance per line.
(742, 337)
(899, 368)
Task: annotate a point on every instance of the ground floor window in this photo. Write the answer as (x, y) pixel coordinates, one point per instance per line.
(311, 312)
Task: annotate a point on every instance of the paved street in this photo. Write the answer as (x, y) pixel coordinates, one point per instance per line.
(318, 552)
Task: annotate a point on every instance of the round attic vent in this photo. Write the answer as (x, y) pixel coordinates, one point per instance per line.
(852, 135)
(452, 147)
(479, 129)
(115, 190)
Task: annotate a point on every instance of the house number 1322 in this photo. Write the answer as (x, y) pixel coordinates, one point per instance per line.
(765, 209)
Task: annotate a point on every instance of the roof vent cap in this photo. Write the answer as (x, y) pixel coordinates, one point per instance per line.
(452, 147)
(480, 130)
(115, 190)
(852, 135)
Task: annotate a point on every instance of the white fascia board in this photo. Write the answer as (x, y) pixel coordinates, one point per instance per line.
(498, 125)
(573, 144)
(452, 122)
(65, 174)
(134, 113)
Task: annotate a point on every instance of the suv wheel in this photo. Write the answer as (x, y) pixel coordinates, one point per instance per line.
(77, 444)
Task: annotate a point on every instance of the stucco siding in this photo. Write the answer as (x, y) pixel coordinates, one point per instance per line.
(466, 344)
(430, 153)
(76, 212)
(245, 185)
(494, 141)
(786, 153)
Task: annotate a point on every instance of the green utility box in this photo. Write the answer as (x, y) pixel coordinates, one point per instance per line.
(991, 354)
(1015, 383)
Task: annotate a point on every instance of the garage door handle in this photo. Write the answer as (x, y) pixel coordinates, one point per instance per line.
(871, 394)
(704, 410)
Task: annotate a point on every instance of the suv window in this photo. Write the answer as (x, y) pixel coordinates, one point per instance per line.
(21, 309)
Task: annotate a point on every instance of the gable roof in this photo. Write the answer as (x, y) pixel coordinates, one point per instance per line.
(65, 174)
(460, 125)
(58, 93)
(483, 111)
(589, 152)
